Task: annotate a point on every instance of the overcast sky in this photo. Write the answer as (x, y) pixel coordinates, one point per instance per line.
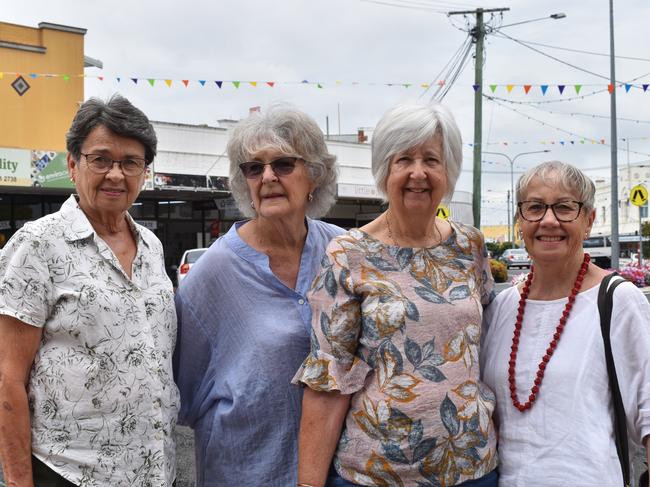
(365, 45)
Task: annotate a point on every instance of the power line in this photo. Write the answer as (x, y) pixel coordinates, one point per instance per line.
(561, 129)
(580, 51)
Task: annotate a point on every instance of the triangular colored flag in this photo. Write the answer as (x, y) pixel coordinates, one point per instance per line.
(406, 85)
(186, 82)
(476, 87)
(202, 81)
(305, 82)
(33, 75)
(424, 85)
(561, 142)
(168, 82)
(610, 88)
(645, 87)
(253, 83)
(151, 81)
(509, 88)
(270, 83)
(527, 88)
(582, 141)
(236, 84)
(578, 88)
(544, 88)
(135, 80)
(627, 87)
(338, 82)
(318, 85)
(218, 83)
(100, 78)
(118, 79)
(2, 75)
(602, 141)
(493, 88)
(441, 82)
(66, 77)
(572, 142)
(561, 88)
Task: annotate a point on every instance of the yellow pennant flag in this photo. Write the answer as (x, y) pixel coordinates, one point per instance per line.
(253, 83)
(509, 88)
(168, 82)
(2, 75)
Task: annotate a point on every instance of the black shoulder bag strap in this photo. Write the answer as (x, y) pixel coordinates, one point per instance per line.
(605, 301)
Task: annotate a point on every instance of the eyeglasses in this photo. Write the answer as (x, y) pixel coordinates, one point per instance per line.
(132, 166)
(282, 166)
(564, 211)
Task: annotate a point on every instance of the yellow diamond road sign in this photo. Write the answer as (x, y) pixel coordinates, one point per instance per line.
(442, 212)
(639, 195)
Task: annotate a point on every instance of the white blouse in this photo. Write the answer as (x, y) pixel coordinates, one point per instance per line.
(567, 437)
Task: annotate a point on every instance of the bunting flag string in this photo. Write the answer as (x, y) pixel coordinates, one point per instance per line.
(582, 139)
(509, 88)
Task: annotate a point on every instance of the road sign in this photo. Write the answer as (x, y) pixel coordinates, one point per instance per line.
(639, 195)
(443, 212)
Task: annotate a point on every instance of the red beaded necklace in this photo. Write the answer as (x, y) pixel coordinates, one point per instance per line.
(552, 346)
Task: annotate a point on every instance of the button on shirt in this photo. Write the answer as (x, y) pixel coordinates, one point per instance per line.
(242, 335)
(102, 399)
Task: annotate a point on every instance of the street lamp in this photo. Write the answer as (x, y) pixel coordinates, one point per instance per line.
(559, 15)
(512, 160)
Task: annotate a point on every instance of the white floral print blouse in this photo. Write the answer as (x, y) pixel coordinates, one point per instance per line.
(102, 398)
(398, 329)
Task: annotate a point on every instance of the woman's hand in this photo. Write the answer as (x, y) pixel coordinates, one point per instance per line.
(321, 423)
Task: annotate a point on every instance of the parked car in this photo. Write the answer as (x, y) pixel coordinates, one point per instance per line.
(187, 261)
(515, 258)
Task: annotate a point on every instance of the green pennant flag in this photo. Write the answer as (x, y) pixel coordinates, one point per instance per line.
(318, 85)
(151, 81)
(578, 88)
(236, 84)
(66, 77)
(493, 88)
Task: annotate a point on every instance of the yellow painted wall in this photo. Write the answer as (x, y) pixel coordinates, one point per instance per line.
(40, 118)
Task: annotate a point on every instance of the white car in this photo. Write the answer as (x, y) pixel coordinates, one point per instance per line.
(187, 261)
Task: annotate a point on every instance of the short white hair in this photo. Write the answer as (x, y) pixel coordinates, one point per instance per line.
(407, 126)
(568, 177)
(294, 133)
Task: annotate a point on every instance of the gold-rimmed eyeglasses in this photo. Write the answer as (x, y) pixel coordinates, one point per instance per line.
(99, 164)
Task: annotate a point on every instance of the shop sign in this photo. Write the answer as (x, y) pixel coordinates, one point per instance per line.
(190, 182)
(15, 167)
(359, 191)
(50, 170)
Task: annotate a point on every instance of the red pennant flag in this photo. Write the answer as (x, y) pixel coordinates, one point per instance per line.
(602, 141)
(270, 83)
(100, 78)
(527, 88)
(610, 88)
(185, 82)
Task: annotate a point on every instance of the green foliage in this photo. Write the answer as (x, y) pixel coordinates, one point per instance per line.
(499, 271)
(498, 248)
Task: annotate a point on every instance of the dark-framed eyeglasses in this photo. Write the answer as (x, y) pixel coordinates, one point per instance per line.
(99, 164)
(564, 211)
(282, 166)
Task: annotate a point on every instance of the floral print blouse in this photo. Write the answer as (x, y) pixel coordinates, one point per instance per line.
(398, 329)
(102, 398)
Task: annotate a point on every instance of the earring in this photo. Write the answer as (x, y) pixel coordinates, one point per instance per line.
(252, 204)
(310, 197)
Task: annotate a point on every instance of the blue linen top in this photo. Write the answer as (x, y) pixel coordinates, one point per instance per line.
(242, 334)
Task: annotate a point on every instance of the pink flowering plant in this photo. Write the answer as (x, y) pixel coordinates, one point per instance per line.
(640, 276)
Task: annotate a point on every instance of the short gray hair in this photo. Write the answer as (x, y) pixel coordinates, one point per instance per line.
(568, 177)
(119, 116)
(406, 126)
(292, 132)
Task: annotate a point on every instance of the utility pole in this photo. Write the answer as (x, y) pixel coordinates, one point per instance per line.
(614, 175)
(478, 36)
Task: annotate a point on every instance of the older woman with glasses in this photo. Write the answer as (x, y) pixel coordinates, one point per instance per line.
(393, 391)
(87, 323)
(243, 311)
(543, 354)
